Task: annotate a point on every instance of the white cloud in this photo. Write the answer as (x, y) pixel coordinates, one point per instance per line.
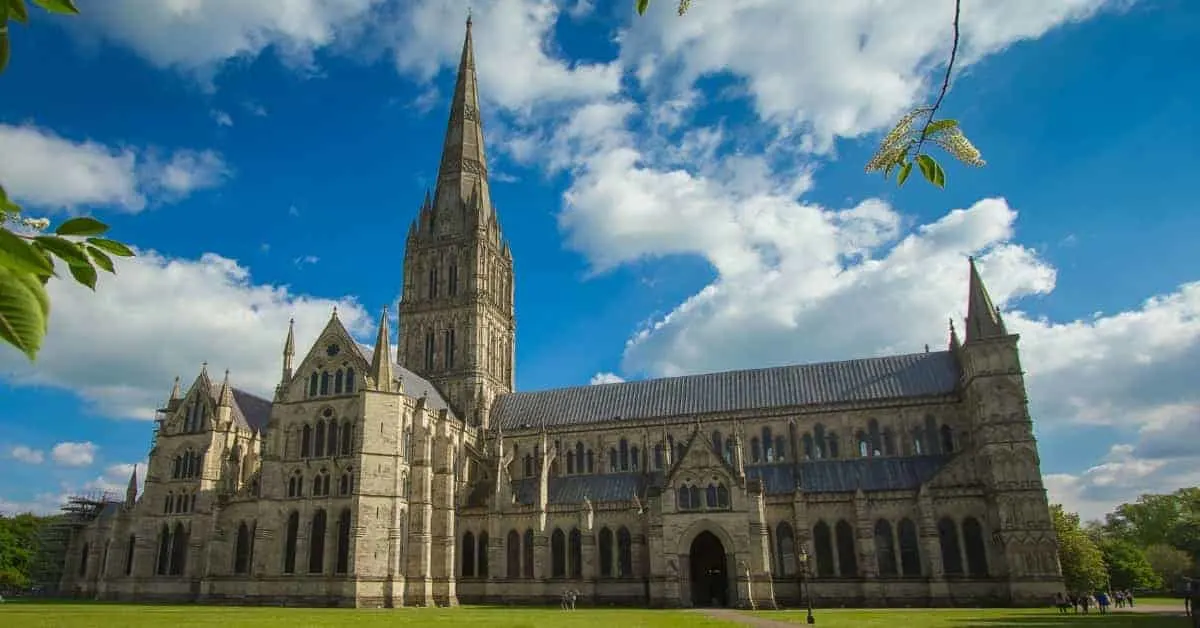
(114, 480)
(70, 454)
(199, 35)
(606, 378)
(28, 455)
(221, 118)
(306, 260)
(111, 483)
(46, 171)
(163, 317)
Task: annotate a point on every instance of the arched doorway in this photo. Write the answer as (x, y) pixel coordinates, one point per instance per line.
(709, 573)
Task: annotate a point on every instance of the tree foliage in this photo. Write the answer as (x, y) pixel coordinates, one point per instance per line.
(18, 545)
(1082, 562)
(1128, 567)
(29, 256)
(907, 143)
(1169, 563)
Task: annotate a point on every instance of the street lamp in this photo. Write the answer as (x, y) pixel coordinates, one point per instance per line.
(804, 584)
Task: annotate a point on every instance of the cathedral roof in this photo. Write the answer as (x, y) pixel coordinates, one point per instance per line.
(412, 384)
(251, 410)
(869, 379)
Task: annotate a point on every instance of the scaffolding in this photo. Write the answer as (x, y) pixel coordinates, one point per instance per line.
(54, 537)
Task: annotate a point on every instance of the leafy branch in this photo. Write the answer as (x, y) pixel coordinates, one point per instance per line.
(27, 253)
(906, 144)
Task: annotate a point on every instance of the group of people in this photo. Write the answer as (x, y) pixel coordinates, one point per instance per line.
(1084, 602)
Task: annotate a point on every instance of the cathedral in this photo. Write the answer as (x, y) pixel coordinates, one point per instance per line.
(424, 478)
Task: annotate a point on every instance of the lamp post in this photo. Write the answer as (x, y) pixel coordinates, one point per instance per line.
(804, 585)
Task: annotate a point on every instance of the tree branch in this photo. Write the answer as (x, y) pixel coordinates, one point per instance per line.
(945, 81)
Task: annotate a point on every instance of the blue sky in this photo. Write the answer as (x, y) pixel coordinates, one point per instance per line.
(681, 195)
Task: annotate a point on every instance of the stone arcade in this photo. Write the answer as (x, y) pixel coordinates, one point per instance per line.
(425, 479)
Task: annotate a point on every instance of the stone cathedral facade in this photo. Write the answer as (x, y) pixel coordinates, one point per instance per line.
(421, 479)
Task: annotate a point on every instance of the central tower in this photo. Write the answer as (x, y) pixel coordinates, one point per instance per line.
(457, 324)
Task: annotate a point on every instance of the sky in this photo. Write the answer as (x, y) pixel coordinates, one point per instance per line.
(681, 195)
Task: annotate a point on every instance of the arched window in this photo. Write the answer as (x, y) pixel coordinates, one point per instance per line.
(722, 496)
(785, 545)
(780, 449)
(695, 497)
(306, 441)
(289, 544)
(910, 552)
(83, 560)
(606, 552)
(342, 562)
(241, 551)
(570, 462)
(768, 445)
(976, 550)
(528, 466)
(179, 549)
(129, 549)
(819, 440)
(312, 384)
(316, 543)
(847, 550)
(324, 382)
(831, 445)
(635, 463)
(889, 442)
(468, 555)
(755, 450)
(864, 446)
(513, 552)
(875, 438)
(164, 550)
(614, 462)
(579, 457)
(169, 503)
(684, 499)
(947, 439)
(590, 460)
(482, 563)
(405, 485)
(729, 442)
(558, 554)
(347, 435)
(948, 539)
(452, 279)
(716, 442)
(885, 548)
(576, 553)
(710, 496)
(527, 554)
(331, 442)
(823, 542)
(624, 553)
(319, 439)
(338, 381)
(806, 442)
(930, 437)
(658, 456)
(624, 449)
(918, 442)
(349, 380)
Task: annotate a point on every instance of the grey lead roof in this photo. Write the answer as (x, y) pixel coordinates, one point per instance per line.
(869, 379)
(255, 410)
(815, 476)
(413, 385)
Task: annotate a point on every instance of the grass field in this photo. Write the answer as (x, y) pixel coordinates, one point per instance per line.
(80, 615)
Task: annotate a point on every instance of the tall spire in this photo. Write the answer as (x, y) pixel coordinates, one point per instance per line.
(225, 398)
(132, 489)
(464, 161)
(381, 362)
(289, 351)
(983, 318)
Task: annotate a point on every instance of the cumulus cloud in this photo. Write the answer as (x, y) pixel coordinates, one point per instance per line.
(46, 171)
(28, 455)
(606, 378)
(110, 483)
(70, 454)
(163, 317)
(221, 118)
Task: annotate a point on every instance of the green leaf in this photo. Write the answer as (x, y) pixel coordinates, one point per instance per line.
(66, 250)
(83, 226)
(18, 11)
(66, 7)
(24, 311)
(111, 247)
(937, 126)
(84, 274)
(19, 255)
(932, 170)
(642, 5)
(102, 260)
(905, 170)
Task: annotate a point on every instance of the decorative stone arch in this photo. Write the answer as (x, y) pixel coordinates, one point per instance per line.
(732, 551)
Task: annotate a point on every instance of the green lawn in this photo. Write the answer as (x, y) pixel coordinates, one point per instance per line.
(975, 618)
(102, 615)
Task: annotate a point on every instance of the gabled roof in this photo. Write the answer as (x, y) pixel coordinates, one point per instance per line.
(251, 410)
(869, 379)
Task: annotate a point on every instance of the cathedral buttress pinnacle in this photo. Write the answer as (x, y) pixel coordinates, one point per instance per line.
(381, 361)
(983, 318)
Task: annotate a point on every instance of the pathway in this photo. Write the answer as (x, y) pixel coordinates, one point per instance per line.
(736, 617)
